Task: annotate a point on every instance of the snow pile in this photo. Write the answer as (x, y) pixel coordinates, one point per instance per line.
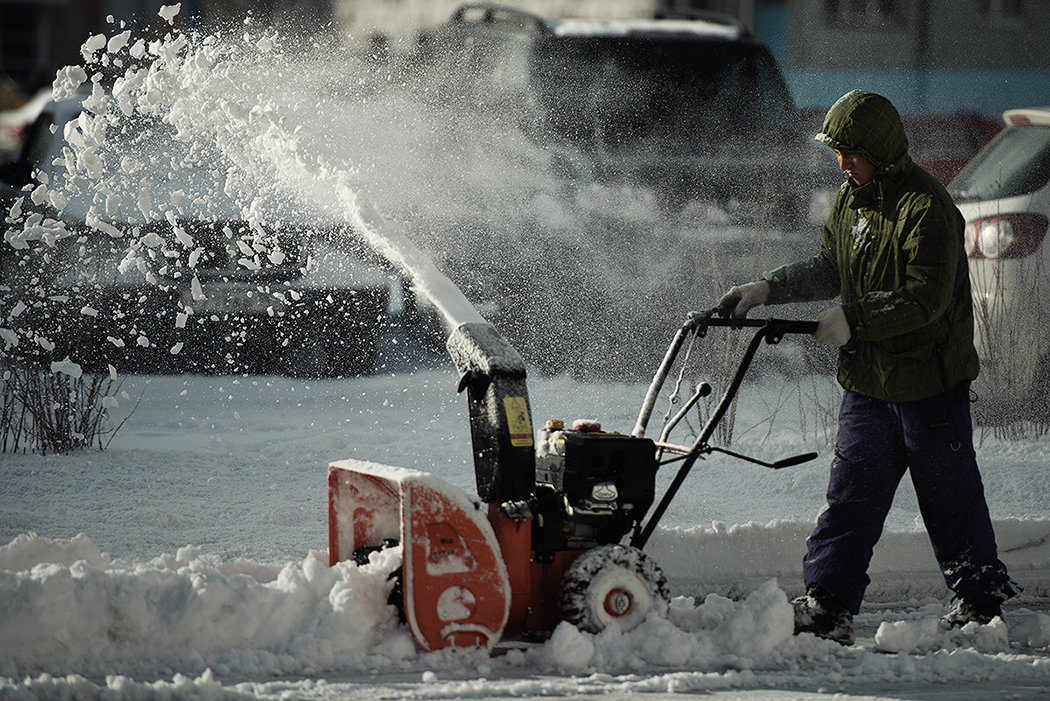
(925, 634)
(72, 614)
(922, 632)
(68, 608)
(717, 634)
(67, 601)
(248, 458)
(237, 467)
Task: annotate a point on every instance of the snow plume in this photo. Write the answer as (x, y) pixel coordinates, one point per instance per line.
(181, 137)
(252, 124)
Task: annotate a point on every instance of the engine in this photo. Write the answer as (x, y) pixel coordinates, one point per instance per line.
(592, 487)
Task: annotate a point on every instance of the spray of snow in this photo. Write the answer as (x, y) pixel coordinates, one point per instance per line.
(290, 129)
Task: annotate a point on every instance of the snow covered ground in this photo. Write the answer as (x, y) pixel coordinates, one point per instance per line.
(188, 559)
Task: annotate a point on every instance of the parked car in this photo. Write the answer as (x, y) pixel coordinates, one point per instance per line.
(943, 143)
(1004, 194)
(682, 110)
(162, 271)
(628, 169)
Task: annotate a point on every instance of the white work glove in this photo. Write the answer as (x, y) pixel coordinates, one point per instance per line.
(743, 297)
(832, 327)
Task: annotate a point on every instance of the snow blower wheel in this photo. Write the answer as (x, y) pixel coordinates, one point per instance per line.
(613, 584)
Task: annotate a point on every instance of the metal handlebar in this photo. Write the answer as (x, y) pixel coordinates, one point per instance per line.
(773, 330)
(769, 330)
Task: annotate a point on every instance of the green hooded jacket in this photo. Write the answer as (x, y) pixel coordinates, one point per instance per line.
(893, 253)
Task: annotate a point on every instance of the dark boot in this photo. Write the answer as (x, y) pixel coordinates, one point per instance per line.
(821, 614)
(966, 610)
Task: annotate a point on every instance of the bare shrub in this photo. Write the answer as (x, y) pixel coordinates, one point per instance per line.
(56, 409)
(1013, 397)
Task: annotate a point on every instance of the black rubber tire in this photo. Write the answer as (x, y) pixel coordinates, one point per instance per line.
(613, 584)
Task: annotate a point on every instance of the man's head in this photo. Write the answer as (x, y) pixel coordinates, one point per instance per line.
(865, 131)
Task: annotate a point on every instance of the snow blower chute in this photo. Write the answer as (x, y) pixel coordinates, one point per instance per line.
(562, 532)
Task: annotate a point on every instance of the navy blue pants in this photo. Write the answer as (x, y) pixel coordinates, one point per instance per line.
(878, 442)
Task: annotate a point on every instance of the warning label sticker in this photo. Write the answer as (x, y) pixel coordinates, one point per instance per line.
(518, 421)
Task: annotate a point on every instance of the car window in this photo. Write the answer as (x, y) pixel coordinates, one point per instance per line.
(482, 67)
(613, 88)
(1016, 163)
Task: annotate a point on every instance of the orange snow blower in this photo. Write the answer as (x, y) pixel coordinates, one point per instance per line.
(549, 546)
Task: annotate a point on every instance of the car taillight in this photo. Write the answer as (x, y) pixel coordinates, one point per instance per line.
(1005, 235)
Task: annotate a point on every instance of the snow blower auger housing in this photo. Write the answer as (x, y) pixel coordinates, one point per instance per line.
(549, 545)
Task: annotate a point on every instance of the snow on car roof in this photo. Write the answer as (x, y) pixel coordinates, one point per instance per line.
(624, 27)
(1027, 115)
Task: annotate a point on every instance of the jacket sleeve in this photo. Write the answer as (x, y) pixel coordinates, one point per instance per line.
(931, 247)
(806, 280)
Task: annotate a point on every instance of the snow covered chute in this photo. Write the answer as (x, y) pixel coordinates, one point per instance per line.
(493, 374)
(491, 370)
(456, 589)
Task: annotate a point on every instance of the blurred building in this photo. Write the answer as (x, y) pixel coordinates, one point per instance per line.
(930, 55)
(927, 55)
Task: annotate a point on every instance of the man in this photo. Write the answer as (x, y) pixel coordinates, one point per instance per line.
(893, 254)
